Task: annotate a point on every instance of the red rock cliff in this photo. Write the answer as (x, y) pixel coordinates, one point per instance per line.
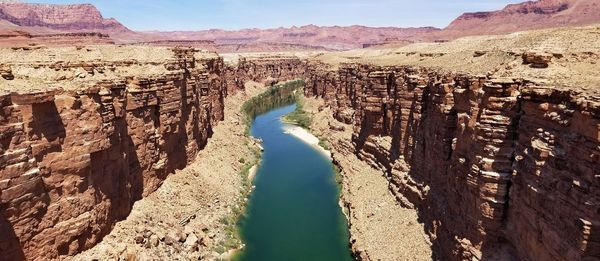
(498, 168)
(74, 160)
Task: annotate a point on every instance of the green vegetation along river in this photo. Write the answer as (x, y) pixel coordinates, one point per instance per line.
(293, 213)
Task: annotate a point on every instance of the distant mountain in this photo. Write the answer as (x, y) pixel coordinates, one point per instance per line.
(330, 37)
(524, 16)
(76, 17)
(24, 23)
(53, 24)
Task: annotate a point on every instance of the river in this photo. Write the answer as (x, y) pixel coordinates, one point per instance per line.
(293, 213)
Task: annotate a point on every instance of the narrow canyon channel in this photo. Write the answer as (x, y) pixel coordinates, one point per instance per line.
(293, 213)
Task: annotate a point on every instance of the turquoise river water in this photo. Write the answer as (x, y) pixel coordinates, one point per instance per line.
(293, 213)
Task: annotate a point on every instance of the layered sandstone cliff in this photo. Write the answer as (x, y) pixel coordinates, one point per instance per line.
(268, 69)
(86, 132)
(494, 140)
(75, 160)
(497, 167)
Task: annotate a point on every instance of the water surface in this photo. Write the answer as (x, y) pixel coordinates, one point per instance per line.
(293, 213)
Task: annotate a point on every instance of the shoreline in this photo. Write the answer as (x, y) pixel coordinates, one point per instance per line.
(309, 138)
(252, 172)
(370, 209)
(306, 136)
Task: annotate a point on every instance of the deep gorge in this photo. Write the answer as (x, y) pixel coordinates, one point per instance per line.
(484, 161)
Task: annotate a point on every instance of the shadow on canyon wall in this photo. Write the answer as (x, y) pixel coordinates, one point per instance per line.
(9, 245)
(115, 175)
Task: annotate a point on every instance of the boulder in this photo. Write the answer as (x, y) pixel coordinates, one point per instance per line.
(175, 236)
(537, 60)
(153, 241)
(191, 243)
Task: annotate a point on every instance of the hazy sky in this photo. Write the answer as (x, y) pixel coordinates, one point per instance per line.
(235, 14)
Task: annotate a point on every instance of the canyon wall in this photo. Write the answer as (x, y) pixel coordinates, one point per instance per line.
(497, 168)
(269, 69)
(74, 160)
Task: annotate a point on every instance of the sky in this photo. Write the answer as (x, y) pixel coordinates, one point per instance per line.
(181, 15)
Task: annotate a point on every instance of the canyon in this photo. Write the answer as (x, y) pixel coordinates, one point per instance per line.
(480, 148)
(87, 132)
(498, 165)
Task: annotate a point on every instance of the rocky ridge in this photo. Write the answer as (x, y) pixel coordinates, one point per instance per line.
(47, 24)
(329, 37)
(524, 16)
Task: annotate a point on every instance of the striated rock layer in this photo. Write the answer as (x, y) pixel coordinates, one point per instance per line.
(498, 168)
(74, 159)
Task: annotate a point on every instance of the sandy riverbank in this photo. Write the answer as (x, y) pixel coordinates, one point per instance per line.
(252, 173)
(305, 136)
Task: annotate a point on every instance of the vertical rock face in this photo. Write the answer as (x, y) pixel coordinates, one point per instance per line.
(555, 201)
(498, 168)
(73, 162)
